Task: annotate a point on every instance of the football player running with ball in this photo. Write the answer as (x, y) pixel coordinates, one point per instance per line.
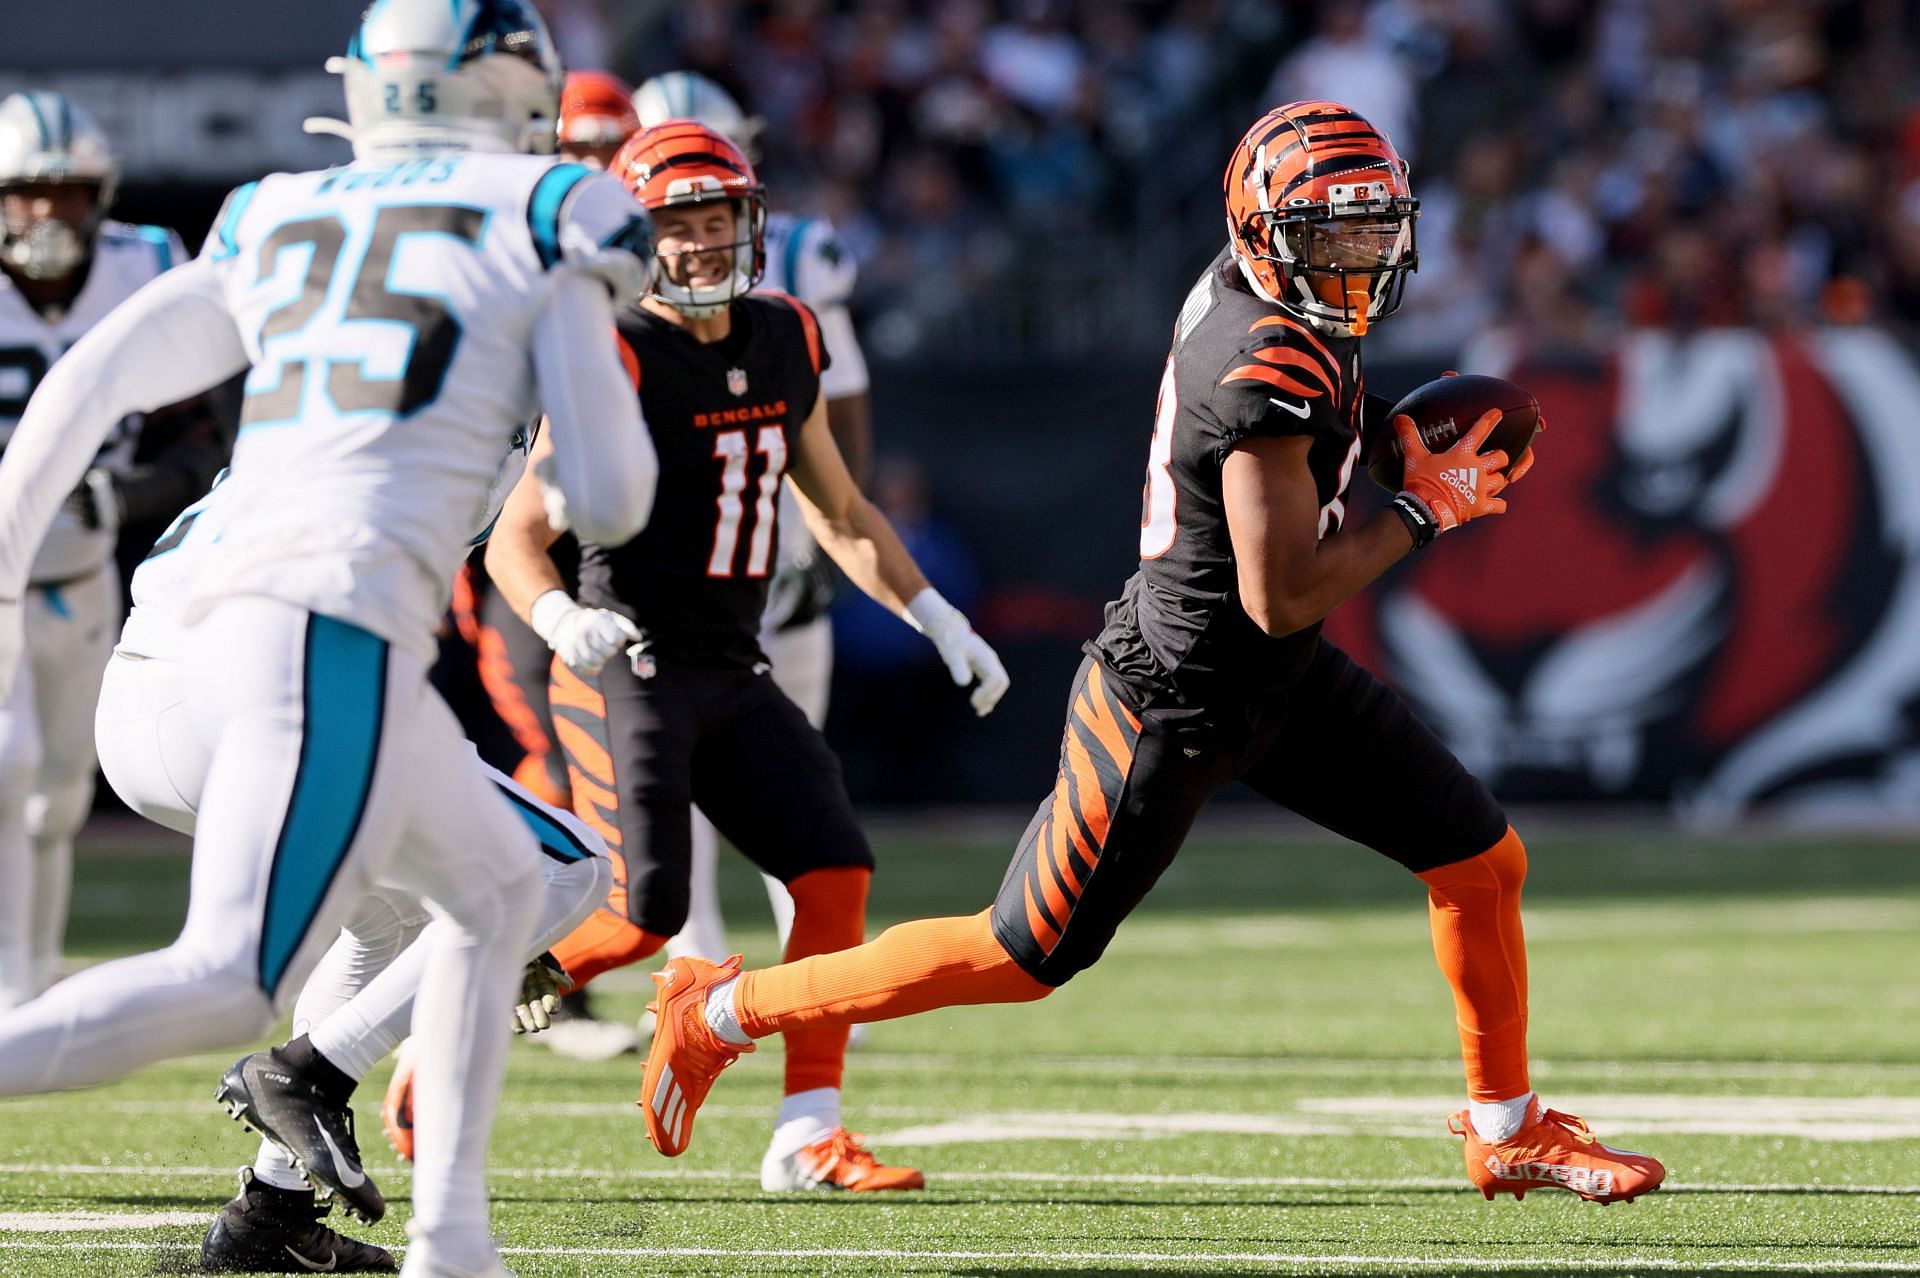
(662, 696)
(1211, 670)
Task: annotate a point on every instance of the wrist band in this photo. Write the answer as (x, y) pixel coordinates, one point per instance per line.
(1417, 516)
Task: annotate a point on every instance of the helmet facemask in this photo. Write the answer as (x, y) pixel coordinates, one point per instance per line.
(748, 249)
(50, 247)
(1342, 263)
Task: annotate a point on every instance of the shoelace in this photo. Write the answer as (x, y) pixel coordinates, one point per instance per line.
(843, 1146)
(1574, 1126)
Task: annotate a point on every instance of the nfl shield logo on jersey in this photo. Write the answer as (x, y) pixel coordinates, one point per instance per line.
(737, 380)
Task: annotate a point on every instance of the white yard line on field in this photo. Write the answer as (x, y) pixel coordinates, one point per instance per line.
(77, 1222)
(939, 1179)
(1466, 1259)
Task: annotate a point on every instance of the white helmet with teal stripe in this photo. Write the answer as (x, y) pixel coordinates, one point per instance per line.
(45, 139)
(426, 76)
(688, 95)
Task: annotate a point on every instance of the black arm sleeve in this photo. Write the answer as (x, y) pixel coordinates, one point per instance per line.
(191, 448)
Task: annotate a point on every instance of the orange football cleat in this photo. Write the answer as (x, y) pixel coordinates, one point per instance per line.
(686, 1056)
(836, 1161)
(1555, 1151)
(396, 1109)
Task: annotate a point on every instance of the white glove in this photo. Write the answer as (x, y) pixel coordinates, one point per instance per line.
(585, 638)
(13, 642)
(540, 991)
(967, 655)
(552, 499)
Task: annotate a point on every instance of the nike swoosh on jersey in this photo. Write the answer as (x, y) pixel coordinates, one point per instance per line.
(1298, 410)
(350, 1177)
(311, 1266)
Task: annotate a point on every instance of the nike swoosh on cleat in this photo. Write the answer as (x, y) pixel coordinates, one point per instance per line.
(350, 1177)
(314, 1267)
(1298, 410)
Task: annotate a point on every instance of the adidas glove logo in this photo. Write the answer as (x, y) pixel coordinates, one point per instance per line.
(1463, 481)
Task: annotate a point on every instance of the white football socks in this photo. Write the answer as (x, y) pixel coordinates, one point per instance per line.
(721, 1018)
(1499, 1120)
(804, 1118)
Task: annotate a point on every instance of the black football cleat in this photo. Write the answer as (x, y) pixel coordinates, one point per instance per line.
(279, 1231)
(271, 1097)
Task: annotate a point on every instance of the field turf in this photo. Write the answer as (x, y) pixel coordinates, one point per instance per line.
(1255, 1080)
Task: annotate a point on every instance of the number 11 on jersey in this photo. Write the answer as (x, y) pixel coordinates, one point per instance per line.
(730, 448)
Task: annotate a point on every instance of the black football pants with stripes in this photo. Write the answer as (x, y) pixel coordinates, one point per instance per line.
(1338, 747)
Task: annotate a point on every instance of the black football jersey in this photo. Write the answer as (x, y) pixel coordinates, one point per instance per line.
(723, 417)
(1239, 367)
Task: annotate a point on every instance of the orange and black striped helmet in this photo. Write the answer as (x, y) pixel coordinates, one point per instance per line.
(680, 163)
(596, 112)
(1320, 215)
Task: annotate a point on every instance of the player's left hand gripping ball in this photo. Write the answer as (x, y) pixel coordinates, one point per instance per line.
(969, 658)
(13, 642)
(1459, 484)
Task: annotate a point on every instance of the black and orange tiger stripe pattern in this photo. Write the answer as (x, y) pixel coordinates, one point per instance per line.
(1063, 846)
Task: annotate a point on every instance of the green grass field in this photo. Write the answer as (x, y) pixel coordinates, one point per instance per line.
(1255, 1080)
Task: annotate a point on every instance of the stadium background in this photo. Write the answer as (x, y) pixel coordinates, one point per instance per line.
(1693, 227)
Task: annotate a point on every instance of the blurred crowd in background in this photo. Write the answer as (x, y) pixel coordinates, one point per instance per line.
(1036, 171)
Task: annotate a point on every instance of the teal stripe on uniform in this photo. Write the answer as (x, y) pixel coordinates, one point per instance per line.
(556, 840)
(57, 602)
(343, 698)
(229, 228)
(162, 245)
(791, 280)
(543, 208)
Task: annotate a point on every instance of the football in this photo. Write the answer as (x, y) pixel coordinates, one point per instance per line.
(1445, 409)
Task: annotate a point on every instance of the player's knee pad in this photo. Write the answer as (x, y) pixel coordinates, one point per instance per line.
(19, 769)
(59, 808)
(383, 923)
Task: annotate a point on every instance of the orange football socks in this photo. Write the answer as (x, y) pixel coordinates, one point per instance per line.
(913, 967)
(829, 913)
(606, 940)
(1474, 909)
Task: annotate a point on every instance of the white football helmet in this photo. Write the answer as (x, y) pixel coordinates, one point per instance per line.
(45, 138)
(425, 76)
(688, 95)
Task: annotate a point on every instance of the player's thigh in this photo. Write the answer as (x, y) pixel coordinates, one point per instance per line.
(1351, 756)
(802, 658)
(768, 781)
(314, 724)
(1127, 792)
(70, 644)
(464, 847)
(19, 743)
(629, 745)
(149, 749)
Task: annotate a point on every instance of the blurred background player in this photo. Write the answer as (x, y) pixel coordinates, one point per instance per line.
(1211, 669)
(806, 259)
(402, 316)
(662, 693)
(63, 266)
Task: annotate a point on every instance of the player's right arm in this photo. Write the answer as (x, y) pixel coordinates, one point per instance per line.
(1289, 575)
(522, 568)
(172, 339)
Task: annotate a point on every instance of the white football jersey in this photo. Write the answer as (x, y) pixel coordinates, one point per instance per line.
(806, 259)
(164, 581)
(125, 258)
(388, 312)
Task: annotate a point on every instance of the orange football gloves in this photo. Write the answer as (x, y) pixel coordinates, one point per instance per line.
(1457, 485)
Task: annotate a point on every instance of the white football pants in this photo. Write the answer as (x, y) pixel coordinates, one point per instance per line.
(157, 763)
(330, 750)
(46, 772)
(802, 660)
